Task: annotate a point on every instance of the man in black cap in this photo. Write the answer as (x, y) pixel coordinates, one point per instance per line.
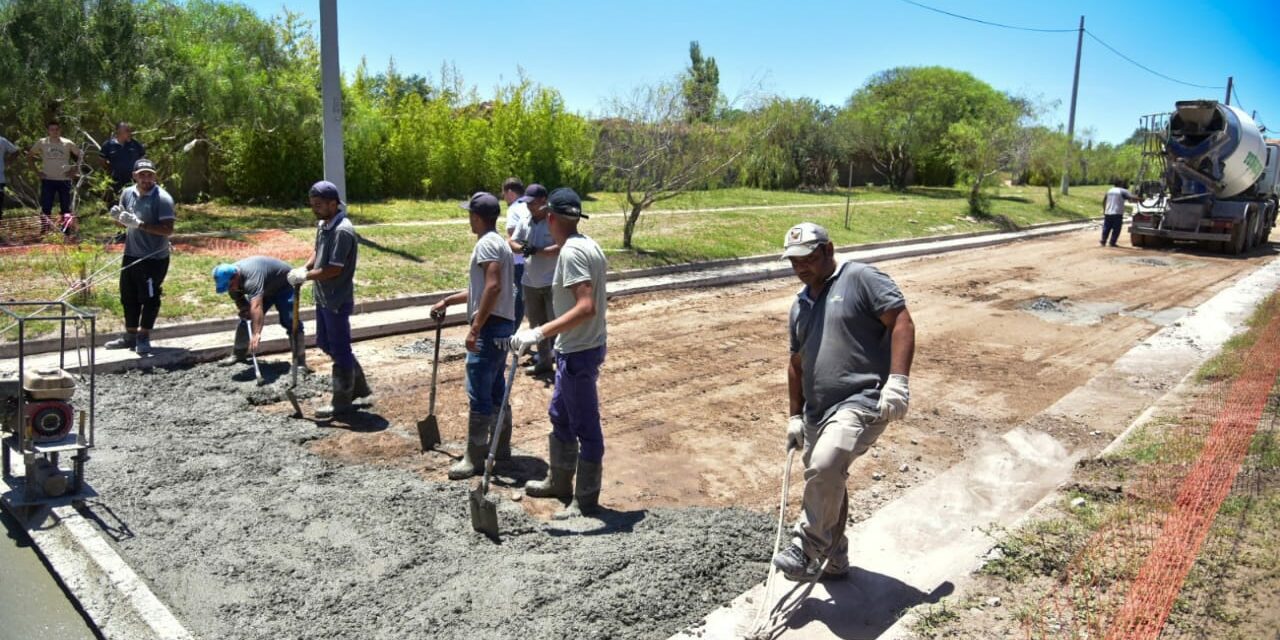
(333, 268)
(146, 213)
(491, 311)
(578, 294)
(532, 239)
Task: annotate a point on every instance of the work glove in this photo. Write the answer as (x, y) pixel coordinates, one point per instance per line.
(528, 251)
(795, 432)
(524, 340)
(114, 212)
(129, 219)
(894, 398)
(297, 276)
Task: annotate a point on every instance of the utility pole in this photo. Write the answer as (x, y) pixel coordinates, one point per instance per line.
(331, 92)
(1071, 118)
(1231, 80)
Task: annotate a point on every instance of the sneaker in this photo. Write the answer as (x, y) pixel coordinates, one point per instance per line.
(794, 564)
(144, 345)
(126, 341)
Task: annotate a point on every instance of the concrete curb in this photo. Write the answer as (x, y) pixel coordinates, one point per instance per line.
(184, 329)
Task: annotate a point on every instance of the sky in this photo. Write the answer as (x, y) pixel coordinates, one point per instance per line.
(590, 51)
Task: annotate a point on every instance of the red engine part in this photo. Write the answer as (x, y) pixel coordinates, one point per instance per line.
(50, 420)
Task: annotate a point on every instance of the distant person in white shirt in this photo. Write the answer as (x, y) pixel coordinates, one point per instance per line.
(1113, 211)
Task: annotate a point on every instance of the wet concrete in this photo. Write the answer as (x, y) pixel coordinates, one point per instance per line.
(32, 604)
(245, 534)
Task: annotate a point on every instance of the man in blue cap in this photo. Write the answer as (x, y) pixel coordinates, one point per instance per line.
(332, 267)
(491, 312)
(578, 296)
(254, 284)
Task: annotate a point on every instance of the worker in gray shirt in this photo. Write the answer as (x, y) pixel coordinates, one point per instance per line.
(146, 213)
(255, 284)
(332, 267)
(1113, 211)
(531, 237)
(852, 341)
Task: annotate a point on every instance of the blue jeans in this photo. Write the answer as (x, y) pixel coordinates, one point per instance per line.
(575, 404)
(485, 368)
(1111, 225)
(283, 302)
(50, 189)
(333, 335)
(519, 294)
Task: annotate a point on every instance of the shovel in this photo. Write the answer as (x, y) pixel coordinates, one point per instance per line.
(293, 356)
(429, 427)
(484, 511)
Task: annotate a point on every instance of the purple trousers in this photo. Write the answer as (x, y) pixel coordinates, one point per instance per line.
(333, 335)
(575, 404)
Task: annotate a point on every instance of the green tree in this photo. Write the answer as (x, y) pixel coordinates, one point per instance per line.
(991, 139)
(701, 85)
(1044, 162)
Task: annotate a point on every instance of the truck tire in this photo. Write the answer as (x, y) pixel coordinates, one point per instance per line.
(1235, 246)
(1137, 239)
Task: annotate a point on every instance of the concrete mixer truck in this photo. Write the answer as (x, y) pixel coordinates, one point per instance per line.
(1219, 183)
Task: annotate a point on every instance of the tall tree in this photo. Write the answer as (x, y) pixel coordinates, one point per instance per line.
(701, 86)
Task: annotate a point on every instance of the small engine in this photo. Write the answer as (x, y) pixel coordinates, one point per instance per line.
(46, 407)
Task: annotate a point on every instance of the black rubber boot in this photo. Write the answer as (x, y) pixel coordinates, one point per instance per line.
(361, 394)
(586, 495)
(503, 453)
(562, 462)
(472, 462)
(343, 381)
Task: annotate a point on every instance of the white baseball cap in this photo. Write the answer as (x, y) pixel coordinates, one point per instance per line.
(802, 239)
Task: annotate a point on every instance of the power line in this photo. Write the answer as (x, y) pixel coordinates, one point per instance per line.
(1237, 97)
(1146, 68)
(986, 22)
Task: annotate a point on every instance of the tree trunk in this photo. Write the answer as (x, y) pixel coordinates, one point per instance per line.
(629, 227)
(975, 197)
(1048, 185)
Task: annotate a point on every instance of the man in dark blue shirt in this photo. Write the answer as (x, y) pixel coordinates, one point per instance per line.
(119, 155)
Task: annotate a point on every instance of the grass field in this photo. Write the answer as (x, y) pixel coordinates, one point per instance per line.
(401, 258)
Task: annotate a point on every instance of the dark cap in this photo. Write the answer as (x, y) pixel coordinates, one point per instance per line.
(535, 191)
(483, 204)
(566, 203)
(325, 190)
(144, 164)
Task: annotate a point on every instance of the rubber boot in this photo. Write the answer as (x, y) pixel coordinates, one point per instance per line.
(239, 348)
(586, 495)
(361, 394)
(562, 462)
(472, 462)
(503, 453)
(343, 382)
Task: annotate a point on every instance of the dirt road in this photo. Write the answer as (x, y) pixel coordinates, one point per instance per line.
(224, 507)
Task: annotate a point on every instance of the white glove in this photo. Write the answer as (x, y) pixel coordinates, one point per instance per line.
(297, 276)
(115, 212)
(795, 432)
(524, 340)
(894, 398)
(128, 219)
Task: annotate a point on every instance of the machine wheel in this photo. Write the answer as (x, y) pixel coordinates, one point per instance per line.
(1137, 239)
(1235, 246)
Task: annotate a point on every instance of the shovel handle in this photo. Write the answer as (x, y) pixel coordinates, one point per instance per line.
(293, 335)
(497, 426)
(435, 366)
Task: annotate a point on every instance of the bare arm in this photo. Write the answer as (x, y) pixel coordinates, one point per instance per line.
(488, 296)
(256, 316)
(583, 309)
(795, 390)
(162, 229)
(902, 331)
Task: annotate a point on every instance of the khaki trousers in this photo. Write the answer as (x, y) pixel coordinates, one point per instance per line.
(829, 449)
(537, 306)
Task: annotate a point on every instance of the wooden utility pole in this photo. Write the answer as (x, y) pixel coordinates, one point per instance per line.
(1231, 80)
(1071, 117)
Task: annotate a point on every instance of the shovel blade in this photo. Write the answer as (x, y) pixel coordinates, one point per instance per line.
(429, 432)
(484, 513)
(293, 400)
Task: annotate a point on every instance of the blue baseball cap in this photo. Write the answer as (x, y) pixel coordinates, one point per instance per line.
(326, 190)
(483, 204)
(535, 191)
(564, 202)
(222, 275)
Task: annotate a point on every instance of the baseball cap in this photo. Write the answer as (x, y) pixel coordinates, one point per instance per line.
(565, 202)
(535, 191)
(483, 204)
(222, 275)
(326, 190)
(802, 239)
(144, 164)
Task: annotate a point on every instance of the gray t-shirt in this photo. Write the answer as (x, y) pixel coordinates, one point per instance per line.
(843, 346)
(336, 247)
(263, 277)
(6, 148)
(1114, 201)
(517, 214)
(153, 208)
(492, 247)
(540, 269)
(580, 260)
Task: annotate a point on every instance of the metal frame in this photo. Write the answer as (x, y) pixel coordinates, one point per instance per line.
(77, 444)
